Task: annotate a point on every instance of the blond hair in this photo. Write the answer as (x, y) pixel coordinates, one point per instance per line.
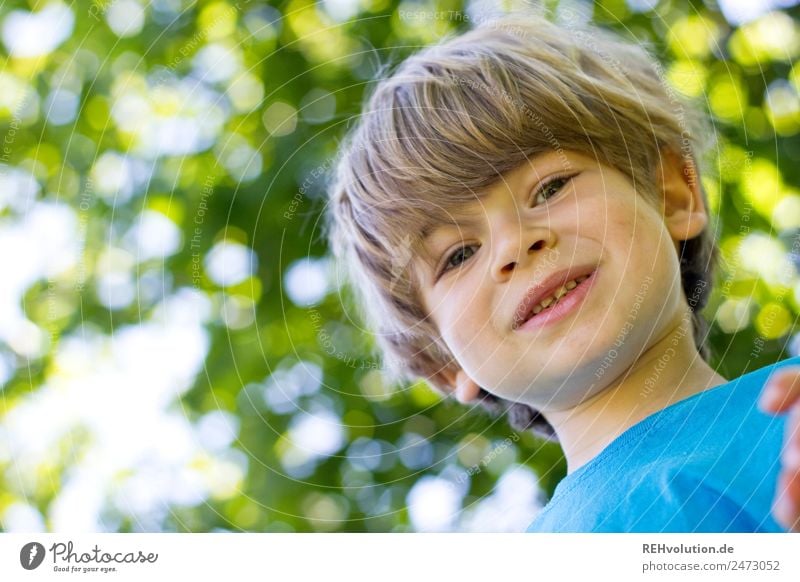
(455, 117)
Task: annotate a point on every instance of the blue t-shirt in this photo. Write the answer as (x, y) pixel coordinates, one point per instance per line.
(709, 463)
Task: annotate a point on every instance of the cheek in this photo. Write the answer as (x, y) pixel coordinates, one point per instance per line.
(629, 227)
(470, 333)
(624, 215)
(455, 316)
(464, 327)
(600, 215)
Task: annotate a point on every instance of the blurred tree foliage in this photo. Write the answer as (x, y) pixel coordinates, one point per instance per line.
(186, 143)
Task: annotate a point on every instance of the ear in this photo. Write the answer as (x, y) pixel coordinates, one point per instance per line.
(682, 205)
(456, 382)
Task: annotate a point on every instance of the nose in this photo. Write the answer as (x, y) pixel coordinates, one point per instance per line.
(517, 249)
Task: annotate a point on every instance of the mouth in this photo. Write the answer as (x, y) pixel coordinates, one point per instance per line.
(554, 297)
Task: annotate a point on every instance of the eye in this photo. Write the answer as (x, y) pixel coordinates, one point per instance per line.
(459, 256)
(550, 188)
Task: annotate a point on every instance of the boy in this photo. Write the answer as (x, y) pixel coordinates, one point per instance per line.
(521, 215)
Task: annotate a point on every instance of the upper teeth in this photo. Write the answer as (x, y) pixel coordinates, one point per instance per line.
(560, 292)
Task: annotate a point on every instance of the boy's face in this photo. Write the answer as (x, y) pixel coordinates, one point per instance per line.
(560, 211)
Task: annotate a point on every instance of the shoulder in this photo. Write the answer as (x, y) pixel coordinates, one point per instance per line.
(666, 497)
(687, 497)
(706, 464)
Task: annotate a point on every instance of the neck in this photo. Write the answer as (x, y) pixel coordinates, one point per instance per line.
(667, 372)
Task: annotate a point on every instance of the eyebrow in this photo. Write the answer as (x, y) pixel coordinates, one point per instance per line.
(467, 222)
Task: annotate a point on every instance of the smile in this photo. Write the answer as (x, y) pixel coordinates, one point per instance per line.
(559, 304)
